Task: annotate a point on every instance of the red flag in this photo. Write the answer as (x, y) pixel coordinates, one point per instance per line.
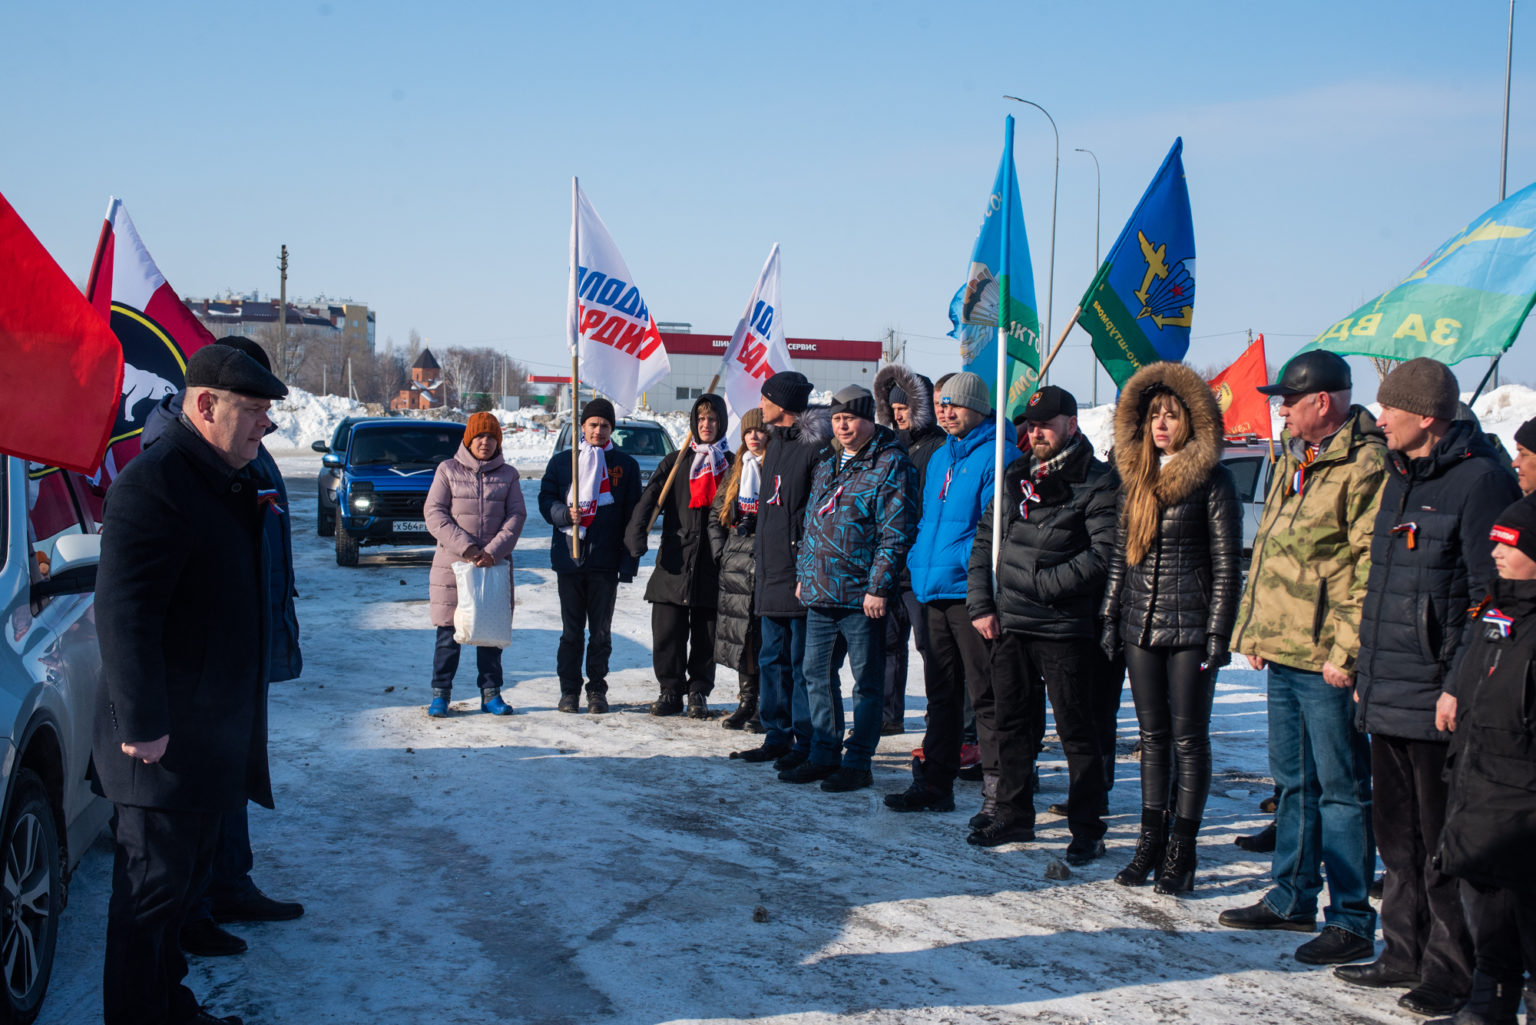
(64, 364)
(1244, 409)
(156, 330)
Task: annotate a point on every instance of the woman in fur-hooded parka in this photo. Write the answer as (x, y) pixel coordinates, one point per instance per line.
(1171, 599)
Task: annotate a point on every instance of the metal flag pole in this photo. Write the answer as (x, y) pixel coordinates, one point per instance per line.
(573, 335)
(1509, 56)
(1000, 391)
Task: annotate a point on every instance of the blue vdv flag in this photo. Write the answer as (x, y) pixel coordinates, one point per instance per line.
(1140, 305)
(1000, 278)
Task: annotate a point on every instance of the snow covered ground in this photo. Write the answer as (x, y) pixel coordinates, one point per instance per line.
(549, 868)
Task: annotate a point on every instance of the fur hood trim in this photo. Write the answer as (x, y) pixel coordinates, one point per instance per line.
(1182, 475)
(815, 426)
(919, 393)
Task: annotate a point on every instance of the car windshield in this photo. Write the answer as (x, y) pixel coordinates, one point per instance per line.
(396, 446)
(639, 441)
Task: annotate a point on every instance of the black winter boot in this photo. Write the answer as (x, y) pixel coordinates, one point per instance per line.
(1490, 1003)
(698, 706)
(988, 812)
(667, 704)
(597, 699)
(1149, 850)
(1177, 876)
(746, 705)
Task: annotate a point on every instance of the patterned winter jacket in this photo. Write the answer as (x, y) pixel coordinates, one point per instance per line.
(1312, 552)
(860, 521)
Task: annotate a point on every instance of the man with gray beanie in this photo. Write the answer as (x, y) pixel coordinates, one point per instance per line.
(1430, 560)
(859, 522)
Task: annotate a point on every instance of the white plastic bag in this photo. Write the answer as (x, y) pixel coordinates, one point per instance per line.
(484, 614)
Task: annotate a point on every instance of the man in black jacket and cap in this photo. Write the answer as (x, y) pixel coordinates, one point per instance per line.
(1430, 560)
(589, 584)
(800, 435)
(180, 734)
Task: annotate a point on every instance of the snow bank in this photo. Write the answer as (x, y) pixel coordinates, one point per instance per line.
(303, 418)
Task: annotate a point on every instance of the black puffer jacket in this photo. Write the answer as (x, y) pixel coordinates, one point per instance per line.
(1490, 812)
(1185, 589)
(787, 468)
(736, 631)
(686, 572)
(1413, 623)
(1055, 561)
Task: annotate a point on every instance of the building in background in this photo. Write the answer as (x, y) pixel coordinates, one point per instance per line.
(248, 315)
(426, 390)
(830, 363)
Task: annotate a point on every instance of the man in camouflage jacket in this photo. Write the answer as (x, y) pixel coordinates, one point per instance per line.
(1300, 617)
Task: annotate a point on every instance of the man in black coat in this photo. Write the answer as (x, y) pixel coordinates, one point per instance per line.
(1058, 536)
(182, 611)
(589, 585)
(1430, 560)
(800, 435)
(684, 588)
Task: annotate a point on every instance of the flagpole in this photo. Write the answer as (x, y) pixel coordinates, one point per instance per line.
(1050, 273)
(573, 335)
(667, 486)
(1000, 392)
(1071, 323)
(1509, 57)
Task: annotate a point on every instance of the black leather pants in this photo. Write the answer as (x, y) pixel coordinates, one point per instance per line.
(1173, 705)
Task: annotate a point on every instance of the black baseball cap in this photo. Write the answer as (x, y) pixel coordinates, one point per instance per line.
(1309, 372)
(1049, 402)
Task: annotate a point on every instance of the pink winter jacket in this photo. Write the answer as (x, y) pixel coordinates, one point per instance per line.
(470, 503)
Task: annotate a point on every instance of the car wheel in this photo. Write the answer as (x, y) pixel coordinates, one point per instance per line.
(32, 893)
(346, 545)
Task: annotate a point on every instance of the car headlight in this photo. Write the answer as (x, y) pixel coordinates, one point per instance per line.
(362, 503)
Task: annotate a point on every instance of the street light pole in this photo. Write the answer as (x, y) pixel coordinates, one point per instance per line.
(1050, 279)
(1093, 360)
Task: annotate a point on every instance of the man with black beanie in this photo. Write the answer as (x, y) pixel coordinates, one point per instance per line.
(800, 435)
(1525, 456)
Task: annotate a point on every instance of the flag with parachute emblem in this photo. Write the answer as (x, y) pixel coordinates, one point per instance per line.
(1468, 298)
(1139, 306)
(156, 330)
(615, 337)
(1000, 280)
(757, 349)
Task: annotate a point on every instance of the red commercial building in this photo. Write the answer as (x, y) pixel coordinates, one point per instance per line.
(830, 363)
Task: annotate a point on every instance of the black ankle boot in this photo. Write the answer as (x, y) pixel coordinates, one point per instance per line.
(1149, 850)
(746, 707)
(1177, 874)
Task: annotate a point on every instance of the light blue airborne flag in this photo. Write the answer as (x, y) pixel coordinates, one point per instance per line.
(1139, 307)
(1468, 298)
(1000, 278)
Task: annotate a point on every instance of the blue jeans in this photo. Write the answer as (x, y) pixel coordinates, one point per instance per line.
(1322, 767)
(828, 632)
(781, 690)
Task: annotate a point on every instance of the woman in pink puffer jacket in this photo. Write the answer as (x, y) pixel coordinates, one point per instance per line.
(475, 510)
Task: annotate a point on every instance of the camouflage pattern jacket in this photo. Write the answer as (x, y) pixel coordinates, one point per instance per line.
(1311, 555)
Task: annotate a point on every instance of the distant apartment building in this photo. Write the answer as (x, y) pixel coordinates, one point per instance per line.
(245, 314)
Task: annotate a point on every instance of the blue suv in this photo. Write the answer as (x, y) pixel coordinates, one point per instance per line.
(382, 482)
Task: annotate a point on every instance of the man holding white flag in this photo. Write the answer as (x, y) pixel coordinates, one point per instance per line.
(757, 350)
(613, 333)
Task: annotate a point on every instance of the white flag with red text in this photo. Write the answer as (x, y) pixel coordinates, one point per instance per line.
(617, 343)
(758, 349)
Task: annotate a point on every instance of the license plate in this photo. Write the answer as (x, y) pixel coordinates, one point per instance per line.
(410, 527)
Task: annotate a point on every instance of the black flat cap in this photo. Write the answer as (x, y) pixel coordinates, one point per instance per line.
(228, 369)
(1309, 372)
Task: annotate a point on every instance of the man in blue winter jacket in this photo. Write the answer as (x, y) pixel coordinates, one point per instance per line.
(957, 488)
(859, 522)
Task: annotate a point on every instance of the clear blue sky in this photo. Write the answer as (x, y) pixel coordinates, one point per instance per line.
(418, 157)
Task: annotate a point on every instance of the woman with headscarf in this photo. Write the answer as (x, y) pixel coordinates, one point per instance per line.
(685, 583)
(732, 524)
(475, 511)
(1171, 600)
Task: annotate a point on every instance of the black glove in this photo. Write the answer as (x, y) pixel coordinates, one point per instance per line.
(1109, 641)
(1216, 651)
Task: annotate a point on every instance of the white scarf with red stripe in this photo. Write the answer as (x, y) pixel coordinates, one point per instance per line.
(709, 463)
(596, 489)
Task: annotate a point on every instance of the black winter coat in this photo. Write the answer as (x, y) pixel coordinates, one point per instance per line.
(787, 469)
(603, 547)
(1186, 588)
(184, 621)
(736, 626)
(1055, 560)
(686, 571)
(1413, 625)
(1490, 813)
